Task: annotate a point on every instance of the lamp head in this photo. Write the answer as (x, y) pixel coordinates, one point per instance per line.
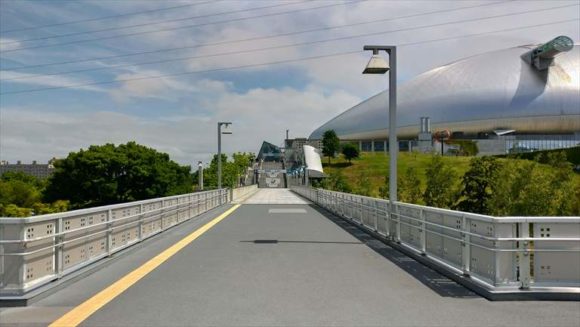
(377, 65)
(226, 126)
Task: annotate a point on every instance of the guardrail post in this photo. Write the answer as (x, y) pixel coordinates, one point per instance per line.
(388, 220)
(465, 246)
(396, 210)
(141, 217)
(423, 232)
(162, 214)
(524, 256)
(376, 213)
(109, 232)
(58, 257)
(359, 210)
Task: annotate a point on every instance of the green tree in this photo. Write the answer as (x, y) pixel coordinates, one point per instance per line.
(330, 144)
(511, 177)
(440, 189)
(527, 188)
(384, 189)
(232, 171)
(241, 162)
(477, 190)
(23, 177)
(350, 151)
(363, 185)
(336, 182)
(409, 186)
(575, 195)
(12, 210)
(536, 197)
(40, 208)
(21, 195)
(109, 174)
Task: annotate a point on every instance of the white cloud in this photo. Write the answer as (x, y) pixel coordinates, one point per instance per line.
(9, 44)
(260, 114)
(49, 81)
(137, 84)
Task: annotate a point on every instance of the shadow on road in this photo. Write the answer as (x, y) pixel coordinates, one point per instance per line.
(427, 276)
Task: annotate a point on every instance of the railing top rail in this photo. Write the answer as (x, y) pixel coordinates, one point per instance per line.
(540, 219)
(511, 219)
(72, 213)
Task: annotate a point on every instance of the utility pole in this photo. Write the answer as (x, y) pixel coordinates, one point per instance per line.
(220, 150)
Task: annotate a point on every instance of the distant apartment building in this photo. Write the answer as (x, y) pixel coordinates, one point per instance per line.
(35, 169)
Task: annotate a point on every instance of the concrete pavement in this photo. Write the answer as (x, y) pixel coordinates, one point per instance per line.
(275, 196)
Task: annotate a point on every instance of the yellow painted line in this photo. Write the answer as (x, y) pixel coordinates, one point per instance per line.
(90, 306)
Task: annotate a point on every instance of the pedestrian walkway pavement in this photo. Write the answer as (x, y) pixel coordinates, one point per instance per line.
(275, 196)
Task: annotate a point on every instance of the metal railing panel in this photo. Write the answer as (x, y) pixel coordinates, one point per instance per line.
(382, 216)
(410, 220)
(551, 265)
(499, 252)
(37, 250)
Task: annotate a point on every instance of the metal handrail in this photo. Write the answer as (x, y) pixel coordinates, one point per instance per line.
(386, 218)
(73, 213)
(80, 229)
(64, 242)
(174, 210)
(459, 215)
(507, 219)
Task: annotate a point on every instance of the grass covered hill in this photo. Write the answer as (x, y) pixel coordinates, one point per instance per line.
(495, 186)
(374, 167)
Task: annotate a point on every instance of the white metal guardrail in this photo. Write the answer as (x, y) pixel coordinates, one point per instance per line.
(37, 250)
(497, 253)
(243, 192)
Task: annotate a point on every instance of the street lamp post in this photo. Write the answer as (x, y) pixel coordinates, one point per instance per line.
(378, 65)
(226, 124)
(200, 175)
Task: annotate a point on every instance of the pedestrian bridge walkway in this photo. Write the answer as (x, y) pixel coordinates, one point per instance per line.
(275, 196)
(274, 260)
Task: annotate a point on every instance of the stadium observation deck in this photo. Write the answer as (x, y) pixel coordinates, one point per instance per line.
(273, 259)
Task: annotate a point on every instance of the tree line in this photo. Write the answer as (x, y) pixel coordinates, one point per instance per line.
(109, 174)
(331, 146)
(233, 171)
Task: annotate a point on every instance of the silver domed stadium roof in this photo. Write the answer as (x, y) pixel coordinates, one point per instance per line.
(495, 90)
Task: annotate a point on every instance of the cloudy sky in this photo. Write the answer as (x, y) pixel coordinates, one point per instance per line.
(163, 73)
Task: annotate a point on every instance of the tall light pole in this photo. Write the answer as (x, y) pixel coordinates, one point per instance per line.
(200, 175)
(378, 65)
(220, 150)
